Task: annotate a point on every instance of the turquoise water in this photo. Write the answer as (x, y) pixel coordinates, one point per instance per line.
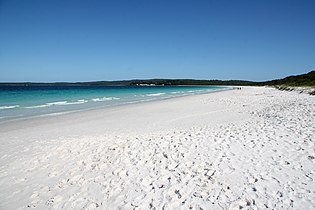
(28, 101)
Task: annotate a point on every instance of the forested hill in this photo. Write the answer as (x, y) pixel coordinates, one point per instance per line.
(191, 82)
(298, 80)
(294, 81)
(138, 82)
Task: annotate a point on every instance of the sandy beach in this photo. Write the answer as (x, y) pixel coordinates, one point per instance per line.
(237, 149)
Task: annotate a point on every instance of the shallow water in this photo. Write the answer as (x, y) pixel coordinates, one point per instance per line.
(28, 101)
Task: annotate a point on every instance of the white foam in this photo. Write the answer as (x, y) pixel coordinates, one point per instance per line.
(105, 99)
(37, 106)
(155, 94)
(61, 103)
(176, 92)
(9, 107)
(58, 103)
(75, 102)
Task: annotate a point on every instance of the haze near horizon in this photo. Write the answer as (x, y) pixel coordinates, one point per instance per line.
(51, 41)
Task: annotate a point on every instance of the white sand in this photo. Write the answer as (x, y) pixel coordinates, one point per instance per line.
(251, 148)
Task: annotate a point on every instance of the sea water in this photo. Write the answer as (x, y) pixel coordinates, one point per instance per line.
(31, 101)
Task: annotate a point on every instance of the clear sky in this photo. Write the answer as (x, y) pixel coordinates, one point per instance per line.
(52, 40)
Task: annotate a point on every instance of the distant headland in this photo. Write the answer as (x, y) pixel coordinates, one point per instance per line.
(303, 80)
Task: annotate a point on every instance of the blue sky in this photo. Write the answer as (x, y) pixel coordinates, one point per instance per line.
(51, 40)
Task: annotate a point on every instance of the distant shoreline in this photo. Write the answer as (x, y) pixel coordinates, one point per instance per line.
(137, 83)
(303, 80)
(20, 102)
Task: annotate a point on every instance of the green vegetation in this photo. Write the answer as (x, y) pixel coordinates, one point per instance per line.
(190, 82)
(302, 80)
(139, 82)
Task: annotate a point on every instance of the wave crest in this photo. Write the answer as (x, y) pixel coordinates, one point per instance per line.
(9, 107)
(105, 99)
(155, 94)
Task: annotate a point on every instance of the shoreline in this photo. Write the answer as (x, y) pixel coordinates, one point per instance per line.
(249, 148)
(105, 108)
(74, 109)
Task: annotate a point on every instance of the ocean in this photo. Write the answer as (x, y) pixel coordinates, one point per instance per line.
(18, 102)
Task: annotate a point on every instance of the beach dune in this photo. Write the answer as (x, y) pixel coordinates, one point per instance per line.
(251, 148)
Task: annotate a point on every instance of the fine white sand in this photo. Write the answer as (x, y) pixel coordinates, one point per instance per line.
(251, 148)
